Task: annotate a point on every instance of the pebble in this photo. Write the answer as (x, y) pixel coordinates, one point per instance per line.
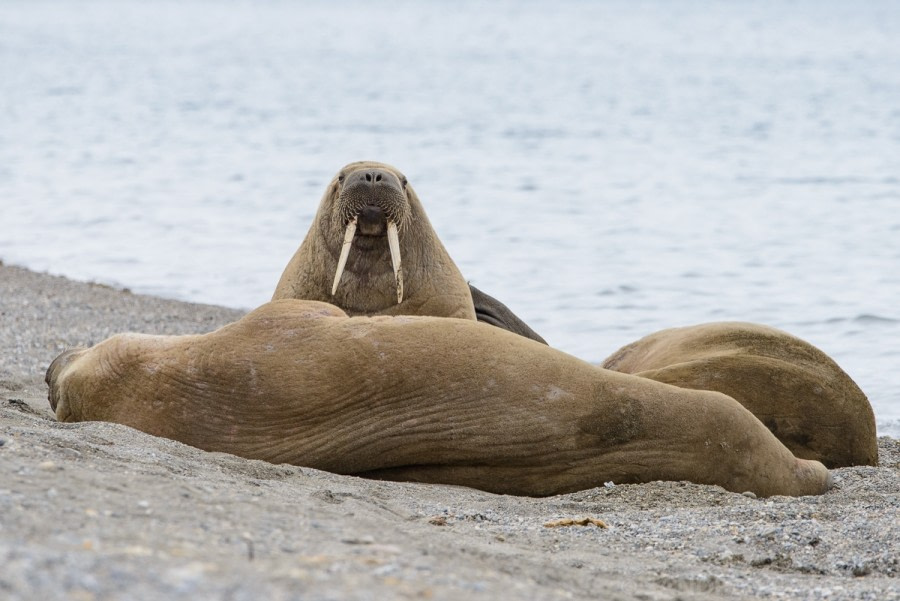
(360, 540)
(71, 452)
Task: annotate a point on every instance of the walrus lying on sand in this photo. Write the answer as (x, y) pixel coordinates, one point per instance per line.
(372, 251)
(796, 390)
(369, 216)
(422, 399)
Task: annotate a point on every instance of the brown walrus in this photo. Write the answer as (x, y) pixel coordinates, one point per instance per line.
(796, 390)
(372, 251)
(422, 399)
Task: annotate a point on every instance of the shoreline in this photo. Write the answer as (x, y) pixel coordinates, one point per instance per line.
(885, 426)
(100, 511)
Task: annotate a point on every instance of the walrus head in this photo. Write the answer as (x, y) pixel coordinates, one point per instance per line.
(369, 216)
(58, 403)
(371, 206)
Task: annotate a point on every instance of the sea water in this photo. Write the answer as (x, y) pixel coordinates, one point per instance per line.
(607, 169)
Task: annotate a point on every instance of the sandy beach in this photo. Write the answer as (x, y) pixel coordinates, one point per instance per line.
(100, 511)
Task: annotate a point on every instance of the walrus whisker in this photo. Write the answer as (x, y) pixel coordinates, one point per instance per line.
(394, 244)
(345, 252)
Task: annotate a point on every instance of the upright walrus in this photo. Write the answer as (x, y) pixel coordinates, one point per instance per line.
(796, 390)
(372, 251)
(422, 399)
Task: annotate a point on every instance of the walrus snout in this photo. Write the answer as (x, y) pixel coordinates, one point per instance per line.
(373, 178)
(373, 201)
(369, 189)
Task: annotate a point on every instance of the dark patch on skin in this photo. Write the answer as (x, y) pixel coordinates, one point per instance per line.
(612, 362)
(799, 442)
(801, 439)
(617, 423)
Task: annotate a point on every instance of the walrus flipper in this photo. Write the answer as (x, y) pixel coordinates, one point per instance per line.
(489, 310)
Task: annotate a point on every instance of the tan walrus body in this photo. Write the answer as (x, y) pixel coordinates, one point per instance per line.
(422, 399)
(796, 390)
(418, 277)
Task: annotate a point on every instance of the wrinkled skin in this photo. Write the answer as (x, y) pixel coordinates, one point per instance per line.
(422, 399)
(796, 390)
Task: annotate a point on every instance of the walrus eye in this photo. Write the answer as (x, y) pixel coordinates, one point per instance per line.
(341, 177)
(403, 183)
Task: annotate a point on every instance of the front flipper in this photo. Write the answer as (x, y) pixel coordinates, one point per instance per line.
(489, 310)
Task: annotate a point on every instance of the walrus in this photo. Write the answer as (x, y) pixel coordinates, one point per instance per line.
(795, 389)
(372, 251)
(420, 399)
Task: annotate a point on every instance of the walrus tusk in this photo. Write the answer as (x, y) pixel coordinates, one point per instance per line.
(345, 252)
(394, 244)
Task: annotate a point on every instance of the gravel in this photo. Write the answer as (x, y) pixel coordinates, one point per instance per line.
(101, 511)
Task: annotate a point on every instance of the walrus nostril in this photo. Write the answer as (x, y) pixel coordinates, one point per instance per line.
(373, 178)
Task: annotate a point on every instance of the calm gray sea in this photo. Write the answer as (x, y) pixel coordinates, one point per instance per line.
(606, 168)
